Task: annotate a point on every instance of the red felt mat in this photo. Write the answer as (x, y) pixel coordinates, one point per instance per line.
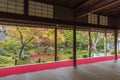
(44, 66)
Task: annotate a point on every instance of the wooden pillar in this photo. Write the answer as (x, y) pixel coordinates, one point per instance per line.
(74, 46)
(118, 45)
(89, 43)
(74, 42)
(105, 42)
(115, 43)
(55, 44)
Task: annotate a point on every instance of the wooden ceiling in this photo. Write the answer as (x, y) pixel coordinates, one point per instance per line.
(83, 7)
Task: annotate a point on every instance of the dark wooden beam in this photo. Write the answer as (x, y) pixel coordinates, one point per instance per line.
(115, 43)
(52, 3)
(112, 10)
(80, 4)
(22, 18)
(109, 9)
(26, 7)
(84, 13)
(85, 4)
(97, 26)
(55, 43)
(67, 1)
(12, 16)
(114, 13)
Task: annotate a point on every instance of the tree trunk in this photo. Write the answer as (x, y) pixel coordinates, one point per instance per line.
(66, 44)
(95, 41)
(94, 47)
(21, 51)
(80, 45)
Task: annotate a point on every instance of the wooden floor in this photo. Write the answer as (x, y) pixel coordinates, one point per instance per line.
(108, 70)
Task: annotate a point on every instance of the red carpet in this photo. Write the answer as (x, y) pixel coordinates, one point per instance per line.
(44, 66)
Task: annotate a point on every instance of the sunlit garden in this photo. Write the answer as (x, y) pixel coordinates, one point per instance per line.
(28, 45)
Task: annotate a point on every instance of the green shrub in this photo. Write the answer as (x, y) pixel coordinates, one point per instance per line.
(4, 53)
(111, 51)
(11, 46)
(5, 61)
(38, 61)
(57, 58)
(82, 51)
(100, 46)
(28, 47)
(61, 45)
(84, 56)
(43, 61)
(26, 61)
(70, 57)
(27, 52)
(67, 51)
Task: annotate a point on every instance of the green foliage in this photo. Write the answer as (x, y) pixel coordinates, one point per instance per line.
(57, 58)
(50, 50)
(100, 51)
(70, 57)
(27, 52)
(82, 51)
(61, 45)
(3, 52)
(119, 52)
(81, 37)
(43, 61)
(67, 51)
(100, 46)
(84, 55)
(38, 60)
(112, 52)
(29, 47)
(26, 61)
(11, 46)
(68, 34)
(5, 61)
(82, 47)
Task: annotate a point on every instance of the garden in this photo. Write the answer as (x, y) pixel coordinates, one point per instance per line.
(21, 45)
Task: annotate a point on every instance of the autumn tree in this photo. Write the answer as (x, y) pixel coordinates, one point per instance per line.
(48, 39)
(96, 37)
(81, 38)
(23, 35)
(23, 41)
(68, 35)
(61, 37)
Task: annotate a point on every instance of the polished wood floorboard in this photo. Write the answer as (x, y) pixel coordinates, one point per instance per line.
(107, 70)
